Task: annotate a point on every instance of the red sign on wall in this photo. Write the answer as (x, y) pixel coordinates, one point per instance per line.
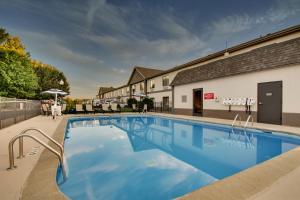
(209, 95)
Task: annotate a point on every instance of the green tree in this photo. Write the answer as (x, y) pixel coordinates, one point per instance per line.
(3, 35)
(13, 44)
(17, 78)
(49, 77)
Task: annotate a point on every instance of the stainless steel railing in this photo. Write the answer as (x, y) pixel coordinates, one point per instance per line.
(24, 134)
(43, 134)
(246, 124)
(235, 118)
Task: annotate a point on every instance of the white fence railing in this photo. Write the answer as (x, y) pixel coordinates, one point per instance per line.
(14, 110)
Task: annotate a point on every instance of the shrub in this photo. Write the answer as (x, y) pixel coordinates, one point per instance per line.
(131, 101)
(149, 103)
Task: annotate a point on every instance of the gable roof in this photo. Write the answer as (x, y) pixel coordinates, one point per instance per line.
(103, 90)
(268, 57)
(142, 73)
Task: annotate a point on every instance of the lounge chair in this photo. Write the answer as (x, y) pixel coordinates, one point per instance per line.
(79, 108)
(114, 107)
(105, 108)
(89, 108)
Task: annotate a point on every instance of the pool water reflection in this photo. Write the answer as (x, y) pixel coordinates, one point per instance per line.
(134, 157)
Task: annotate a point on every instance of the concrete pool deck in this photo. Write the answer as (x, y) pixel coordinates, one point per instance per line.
(35, 177)
(12, 182)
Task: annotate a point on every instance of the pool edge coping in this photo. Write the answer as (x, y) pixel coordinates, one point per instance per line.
(228, 187)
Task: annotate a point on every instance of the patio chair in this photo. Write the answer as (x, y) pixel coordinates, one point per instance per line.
(79, 108)
(89, 108)
(114, 107)
(105, 108)
(46, 109)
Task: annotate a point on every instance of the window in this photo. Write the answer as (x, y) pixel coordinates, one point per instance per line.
(142, 86)
(152, 84)
(127, 90)
(133, 89)
(165, 80)
(183, 98)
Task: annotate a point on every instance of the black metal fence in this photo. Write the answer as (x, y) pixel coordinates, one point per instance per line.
(14, 110)
(163, 107)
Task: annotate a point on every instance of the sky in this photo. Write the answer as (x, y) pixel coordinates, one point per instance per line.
(98, 42)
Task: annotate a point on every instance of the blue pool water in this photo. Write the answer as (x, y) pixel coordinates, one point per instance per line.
(149, 157)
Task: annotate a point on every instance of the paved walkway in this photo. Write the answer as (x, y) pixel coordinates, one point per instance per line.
(12, 181)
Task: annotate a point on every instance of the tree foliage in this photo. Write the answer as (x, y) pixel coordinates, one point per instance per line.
(22, 77)
(13, 44)
(17, 78)
(131, 101)
(3, 35)
(49, 77)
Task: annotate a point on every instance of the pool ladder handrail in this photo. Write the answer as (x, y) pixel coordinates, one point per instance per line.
(43, 134)
(237, 116)
(246, 123)
(24, 134)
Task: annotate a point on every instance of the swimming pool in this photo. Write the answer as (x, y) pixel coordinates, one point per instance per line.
(151, 157)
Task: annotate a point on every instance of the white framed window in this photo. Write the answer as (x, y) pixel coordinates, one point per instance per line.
(142, 85)
(152, 84)
(128, 89)
(165, 81)
(183, 99)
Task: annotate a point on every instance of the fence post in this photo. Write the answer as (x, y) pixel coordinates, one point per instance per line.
(15, 112)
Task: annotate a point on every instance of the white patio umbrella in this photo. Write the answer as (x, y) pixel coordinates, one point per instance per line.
(56, 92)
(140, 95)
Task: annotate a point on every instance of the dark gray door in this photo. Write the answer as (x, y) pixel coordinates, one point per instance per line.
(270, 102)
(198, 102)
(165, 104)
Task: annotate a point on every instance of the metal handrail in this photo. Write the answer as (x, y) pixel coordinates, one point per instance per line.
(21, 154)
(11, 152)
(235, 118)
(246, 124)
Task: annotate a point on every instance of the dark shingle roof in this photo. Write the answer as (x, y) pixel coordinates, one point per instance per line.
(259, 40)
(141, 73)
(268, 57)
(148, 72)
(103, 90)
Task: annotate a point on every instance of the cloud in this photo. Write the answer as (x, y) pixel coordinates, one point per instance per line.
(232, 24)
(107, 167)
(137, 48)
(105, 14)
(94, 5)
(239, 23)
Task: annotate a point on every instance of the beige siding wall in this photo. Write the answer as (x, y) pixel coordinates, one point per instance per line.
(158, 82)
(244, 86)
